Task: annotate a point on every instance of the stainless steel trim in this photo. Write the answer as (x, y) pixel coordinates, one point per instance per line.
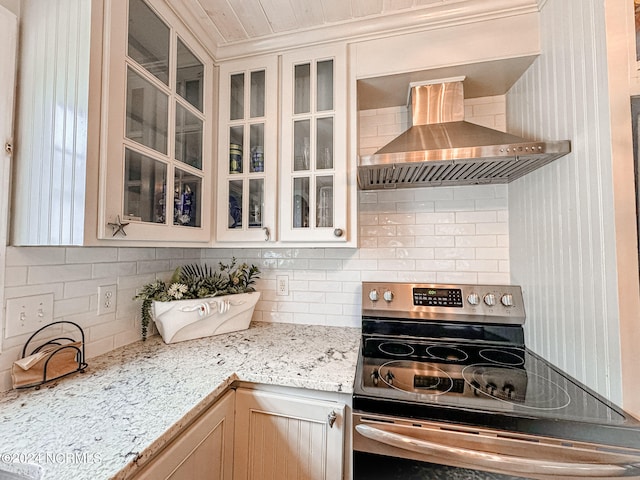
(401, 306)
(440, 148)
(491, 450)
(517, 465)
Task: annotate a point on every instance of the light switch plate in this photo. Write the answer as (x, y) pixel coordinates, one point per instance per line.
(28, 314)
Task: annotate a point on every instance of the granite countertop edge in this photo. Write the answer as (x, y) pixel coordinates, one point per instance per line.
(133, 400)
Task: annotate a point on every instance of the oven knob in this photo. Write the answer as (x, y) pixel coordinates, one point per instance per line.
(389, 378)
(388, 296)
(373, 295)
(507, 300)
(476, 387)
(490, 299)
(375, 376)
(473, 299)
(491, 388)
(508, 390)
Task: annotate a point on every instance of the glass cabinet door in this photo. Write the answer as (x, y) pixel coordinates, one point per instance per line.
(158, 141)
(314, 185)
(247, 152)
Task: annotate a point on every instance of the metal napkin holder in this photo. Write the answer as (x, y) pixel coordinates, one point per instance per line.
(56, 345)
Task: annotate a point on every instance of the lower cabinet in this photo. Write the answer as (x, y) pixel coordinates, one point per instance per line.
(204, 451)
(282, 437)
(257, 435)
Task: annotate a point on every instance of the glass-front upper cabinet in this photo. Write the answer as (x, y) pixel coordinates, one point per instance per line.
(157, 110)
(247, 150)
(313, 175)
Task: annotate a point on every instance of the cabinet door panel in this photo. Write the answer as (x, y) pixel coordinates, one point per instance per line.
(314, 160)
(247, 151)
(157, 103)
(282, 437)
(203, 451)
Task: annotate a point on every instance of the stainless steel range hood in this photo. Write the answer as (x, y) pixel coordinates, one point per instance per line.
(441, 148)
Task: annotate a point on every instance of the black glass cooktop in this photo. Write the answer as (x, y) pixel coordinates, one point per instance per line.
(495, 382)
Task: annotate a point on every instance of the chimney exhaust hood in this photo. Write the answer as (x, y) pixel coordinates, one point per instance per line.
(441, 149)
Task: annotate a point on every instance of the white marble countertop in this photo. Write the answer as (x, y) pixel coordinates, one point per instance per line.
(131, 401)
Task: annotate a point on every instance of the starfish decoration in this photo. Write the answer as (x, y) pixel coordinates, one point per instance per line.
(118, 226)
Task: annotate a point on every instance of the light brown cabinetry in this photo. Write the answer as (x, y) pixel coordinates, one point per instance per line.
(282, 437)
(204, 451)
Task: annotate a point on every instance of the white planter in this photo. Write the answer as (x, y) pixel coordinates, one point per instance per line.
(182, 320)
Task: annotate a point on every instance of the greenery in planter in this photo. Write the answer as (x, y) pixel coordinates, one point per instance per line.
(197, 281)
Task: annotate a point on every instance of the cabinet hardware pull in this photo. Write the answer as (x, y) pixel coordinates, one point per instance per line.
(331, 418)
(338, 232)
(267, 234)
(8, 148)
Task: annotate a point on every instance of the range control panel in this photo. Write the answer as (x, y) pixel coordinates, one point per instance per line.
(476, 303)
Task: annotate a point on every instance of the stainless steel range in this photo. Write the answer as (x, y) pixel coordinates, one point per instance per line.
(445, 381)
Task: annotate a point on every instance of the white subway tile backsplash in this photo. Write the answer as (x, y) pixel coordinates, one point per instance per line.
(455, 253)
(454, 205)
(397, 242)
(476, 241)
(415, 230)
(15, 276)
(34, 256)
(397, 219)
(476, 217)
(439, 217)
(59, 273)
(436, 265)
(476, 266)
(436, 241)
(457, 277)
(116, 269)
(137, 254)
(415, 207)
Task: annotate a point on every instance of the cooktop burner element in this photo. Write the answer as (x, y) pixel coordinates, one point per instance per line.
(503, 357)
(396, 349)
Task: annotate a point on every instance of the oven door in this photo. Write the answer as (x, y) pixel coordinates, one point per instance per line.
(488, 450)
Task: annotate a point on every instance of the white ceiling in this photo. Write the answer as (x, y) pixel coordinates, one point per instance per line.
(240, 20)
(237, 28)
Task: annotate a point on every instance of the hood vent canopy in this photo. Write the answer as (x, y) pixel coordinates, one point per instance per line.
(442, 149)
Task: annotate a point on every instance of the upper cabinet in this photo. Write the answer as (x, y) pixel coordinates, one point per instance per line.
(314, 156)
(157, 114)
(114, 131)
(247, 151)
(283, 178)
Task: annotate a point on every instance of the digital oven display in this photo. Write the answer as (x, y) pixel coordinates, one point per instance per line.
(437, 297)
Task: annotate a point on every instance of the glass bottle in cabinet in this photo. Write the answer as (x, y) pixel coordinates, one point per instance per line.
(158, 139)
(247, 162)
(314, 159)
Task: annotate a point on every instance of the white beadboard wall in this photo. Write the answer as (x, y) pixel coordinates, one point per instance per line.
(53, 101)
(447, 234)
(561, 216)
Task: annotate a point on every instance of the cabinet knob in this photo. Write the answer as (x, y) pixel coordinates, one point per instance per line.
(331, 418)
(267, 234)
(338, 232)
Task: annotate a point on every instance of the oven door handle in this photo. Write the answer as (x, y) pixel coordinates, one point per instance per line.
(505, 463)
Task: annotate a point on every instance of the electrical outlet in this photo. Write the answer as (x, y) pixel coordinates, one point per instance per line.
(28, 314)
(107, 299)
(282, 285)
